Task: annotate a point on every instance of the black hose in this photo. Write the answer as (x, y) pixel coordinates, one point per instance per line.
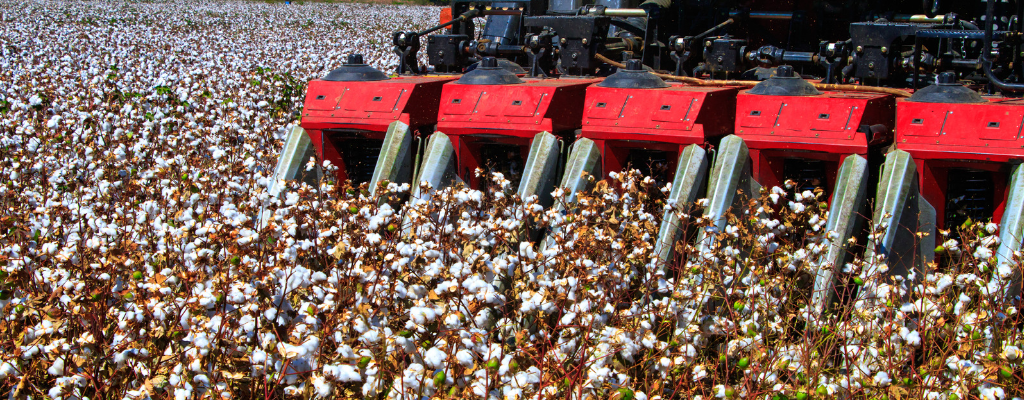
(986, 64)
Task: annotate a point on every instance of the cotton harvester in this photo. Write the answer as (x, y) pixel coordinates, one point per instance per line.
(912, 106)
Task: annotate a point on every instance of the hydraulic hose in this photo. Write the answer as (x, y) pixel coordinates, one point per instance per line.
(819, 86)
(986, 63)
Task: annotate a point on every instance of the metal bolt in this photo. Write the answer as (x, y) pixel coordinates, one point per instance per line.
(720, 59)
(585, 41)
(860, 49)
(575, 55)
(563, 41)
(707, 43)
(885, 50)
(871, 65)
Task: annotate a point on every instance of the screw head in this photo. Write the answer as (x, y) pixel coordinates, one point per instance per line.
(563, 41)
(585, 41)
(860, 49)
(885, 50)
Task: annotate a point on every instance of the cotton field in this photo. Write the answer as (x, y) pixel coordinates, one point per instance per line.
(137, 143)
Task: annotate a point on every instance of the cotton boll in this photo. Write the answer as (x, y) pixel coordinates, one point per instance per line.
(1012, 353)
(342, 373)
(435, 358)
(881, 379)
(465, 357)
(57, 368)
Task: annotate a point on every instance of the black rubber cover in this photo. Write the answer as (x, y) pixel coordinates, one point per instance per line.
(946, 90)
(355, 71)
(488, 72)
(511, 66)
(784, 83)
(633, 77)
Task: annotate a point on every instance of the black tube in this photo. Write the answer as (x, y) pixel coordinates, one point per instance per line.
(713, 29)
(986, 64)
(466, 15)
(798, 57)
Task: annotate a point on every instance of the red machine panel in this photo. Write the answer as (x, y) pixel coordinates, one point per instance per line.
(625, 122)
(819, 131)
(347, 119)
(963, 153)
(495, 124)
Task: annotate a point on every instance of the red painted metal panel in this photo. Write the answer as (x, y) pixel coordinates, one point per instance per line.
(824, 129)
(321, 96)
(338, 111)
(919, 119)
(944, 137)
(830, 122)
(980, 132)
(608, 106)
(478, 116)
(521, 103)
(664, 119)
(762, 114)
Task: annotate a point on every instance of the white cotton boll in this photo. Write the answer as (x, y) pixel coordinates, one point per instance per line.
(912, 338)
(465, 357)
(359, 325)
(421, 315)
(57, 368)
(435, 358)
(881, 379)
(343, 373)
(370, 337)
(1012, 353)
(991, 227)
(291, 199)
(7, 369)
(258, 356)
(942, 284)
(452, 321)
(991, 392)
(55, 392)
(321, 386)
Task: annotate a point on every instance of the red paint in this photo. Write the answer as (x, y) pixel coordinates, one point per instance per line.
(825, 127)
(941, 137)
(340, 110)
(477, 115)
(665, 119)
